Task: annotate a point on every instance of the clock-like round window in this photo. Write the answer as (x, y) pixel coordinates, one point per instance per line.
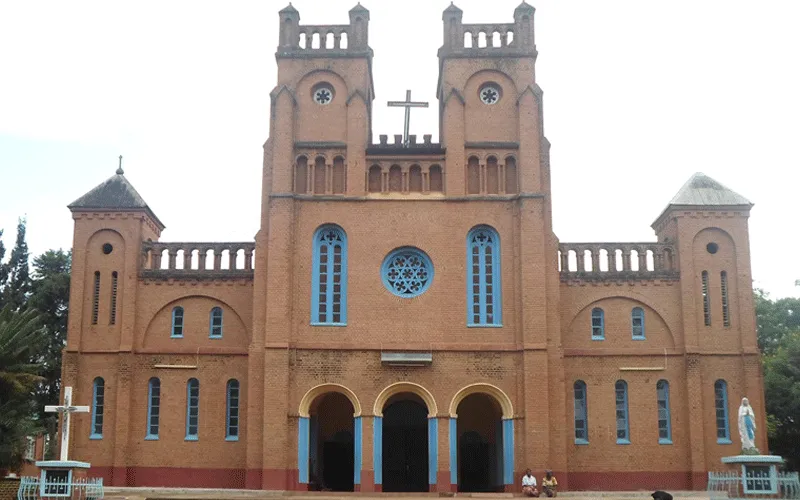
(489, 94)
(407, 272)
(323, 94)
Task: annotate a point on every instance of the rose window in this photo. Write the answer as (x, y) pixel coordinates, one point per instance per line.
(323, 95)
(407, 272)
(490, 94)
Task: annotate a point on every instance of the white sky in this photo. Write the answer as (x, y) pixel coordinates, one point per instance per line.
(638, 95)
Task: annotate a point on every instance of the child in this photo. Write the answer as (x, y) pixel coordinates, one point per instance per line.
(549, 484)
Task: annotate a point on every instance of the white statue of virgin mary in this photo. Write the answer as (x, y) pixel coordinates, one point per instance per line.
(747, 427)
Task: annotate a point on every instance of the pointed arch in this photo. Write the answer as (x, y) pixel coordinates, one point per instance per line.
(316, 391)
(400, 387)
(454, 92)
(482, 388)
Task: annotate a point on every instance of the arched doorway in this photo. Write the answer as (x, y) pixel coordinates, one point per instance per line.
(405, 444)
(480, 444)
(331, 443)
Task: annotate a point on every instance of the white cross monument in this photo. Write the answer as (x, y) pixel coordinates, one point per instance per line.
(66, 409)
(408, 104)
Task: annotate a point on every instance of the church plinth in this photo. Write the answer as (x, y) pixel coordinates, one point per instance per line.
(58, 478)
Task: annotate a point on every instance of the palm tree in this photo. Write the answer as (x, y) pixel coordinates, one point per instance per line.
(22, 339)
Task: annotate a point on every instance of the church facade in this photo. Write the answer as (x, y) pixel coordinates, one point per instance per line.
(406, 318)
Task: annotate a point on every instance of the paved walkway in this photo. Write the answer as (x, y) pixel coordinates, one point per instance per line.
(112, 493)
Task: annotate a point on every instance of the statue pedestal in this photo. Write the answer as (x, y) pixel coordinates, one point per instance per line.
(60, 478)
(758, 475)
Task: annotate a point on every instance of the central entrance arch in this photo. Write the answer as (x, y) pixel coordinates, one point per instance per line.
(405, 444)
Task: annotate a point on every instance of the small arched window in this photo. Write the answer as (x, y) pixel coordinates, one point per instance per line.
(721, 410)
(581, 414)
(637, 323)
(153, 408)
(664, 420)
(192, 409)
(598, 324)
(177, 322)
(621, 404)
(232, 413)
(483, 278)
(329, 277)
(98, 402)
(215, 323)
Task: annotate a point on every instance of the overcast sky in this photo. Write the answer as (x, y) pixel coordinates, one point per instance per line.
(638, 95)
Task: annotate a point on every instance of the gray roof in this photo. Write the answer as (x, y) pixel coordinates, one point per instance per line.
(702, 190)
(116, 193)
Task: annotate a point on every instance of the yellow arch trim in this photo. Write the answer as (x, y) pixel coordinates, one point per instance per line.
(411, 387)
(481, 388)
(314, 392)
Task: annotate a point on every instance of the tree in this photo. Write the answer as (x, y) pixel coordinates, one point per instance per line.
(782, 393)
(22, 338)
(775, 319)
(50, 296)
(3, 268)
(17, 288)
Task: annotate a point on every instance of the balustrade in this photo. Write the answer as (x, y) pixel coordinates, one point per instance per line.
(191, 259)
(480, 36)
(617, 260)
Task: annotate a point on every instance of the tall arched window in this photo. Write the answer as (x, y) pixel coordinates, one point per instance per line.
(598, 324)
(96, 297)
(706, 299)
(329, 277)
(721, 409)
(637, 323)
(581, 414)
(723, 291)
(192, 409)
(483, 278)
(177, 322)
(232, 411)
(153, 407)
(664, 420)
(621, 403)
(98, 402)
(215, 323)
(114, 282)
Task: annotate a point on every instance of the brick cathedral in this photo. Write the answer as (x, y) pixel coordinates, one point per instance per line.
(406, 318)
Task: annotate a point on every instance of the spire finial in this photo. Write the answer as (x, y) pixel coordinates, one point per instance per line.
(119, 169)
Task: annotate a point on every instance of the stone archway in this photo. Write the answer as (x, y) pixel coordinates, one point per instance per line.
(405, 444)
(329, 433)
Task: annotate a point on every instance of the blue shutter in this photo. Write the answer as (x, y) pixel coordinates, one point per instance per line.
(153, 408)
(232, 413)
(192, 409)
(721, 410)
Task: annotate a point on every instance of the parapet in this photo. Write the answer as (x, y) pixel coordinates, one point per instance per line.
(488, 40)
(330, 40)
(197, 260)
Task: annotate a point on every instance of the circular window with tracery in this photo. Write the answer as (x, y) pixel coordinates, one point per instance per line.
(407, 272)
(489, 94)
(323, 94)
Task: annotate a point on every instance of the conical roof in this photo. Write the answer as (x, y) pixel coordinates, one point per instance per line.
(115, 193)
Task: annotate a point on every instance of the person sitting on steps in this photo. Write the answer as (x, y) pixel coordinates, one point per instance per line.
(529, 484)
(549, 484)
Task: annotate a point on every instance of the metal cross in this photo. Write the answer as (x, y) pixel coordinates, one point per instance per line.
(408, 104)
(66, 409)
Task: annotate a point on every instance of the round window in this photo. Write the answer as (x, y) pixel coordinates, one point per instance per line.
(407, 272)
(107, 248)
(323, 94)
(489, 94)
(712, 248)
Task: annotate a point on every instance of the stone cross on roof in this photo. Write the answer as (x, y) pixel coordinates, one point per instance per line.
(408, 104)
(66, 409)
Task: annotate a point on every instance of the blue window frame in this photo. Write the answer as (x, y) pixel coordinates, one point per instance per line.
(407, 272)
(153, 408)
(177, 322)
(192, 409)
(623, 429)
(98, 402)
(664, 419)
(232, 413)
(484, 306)
(637, 323)
(581, 414)
(598, 324)
(329, 277)
(215, 323)
(721, 410)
